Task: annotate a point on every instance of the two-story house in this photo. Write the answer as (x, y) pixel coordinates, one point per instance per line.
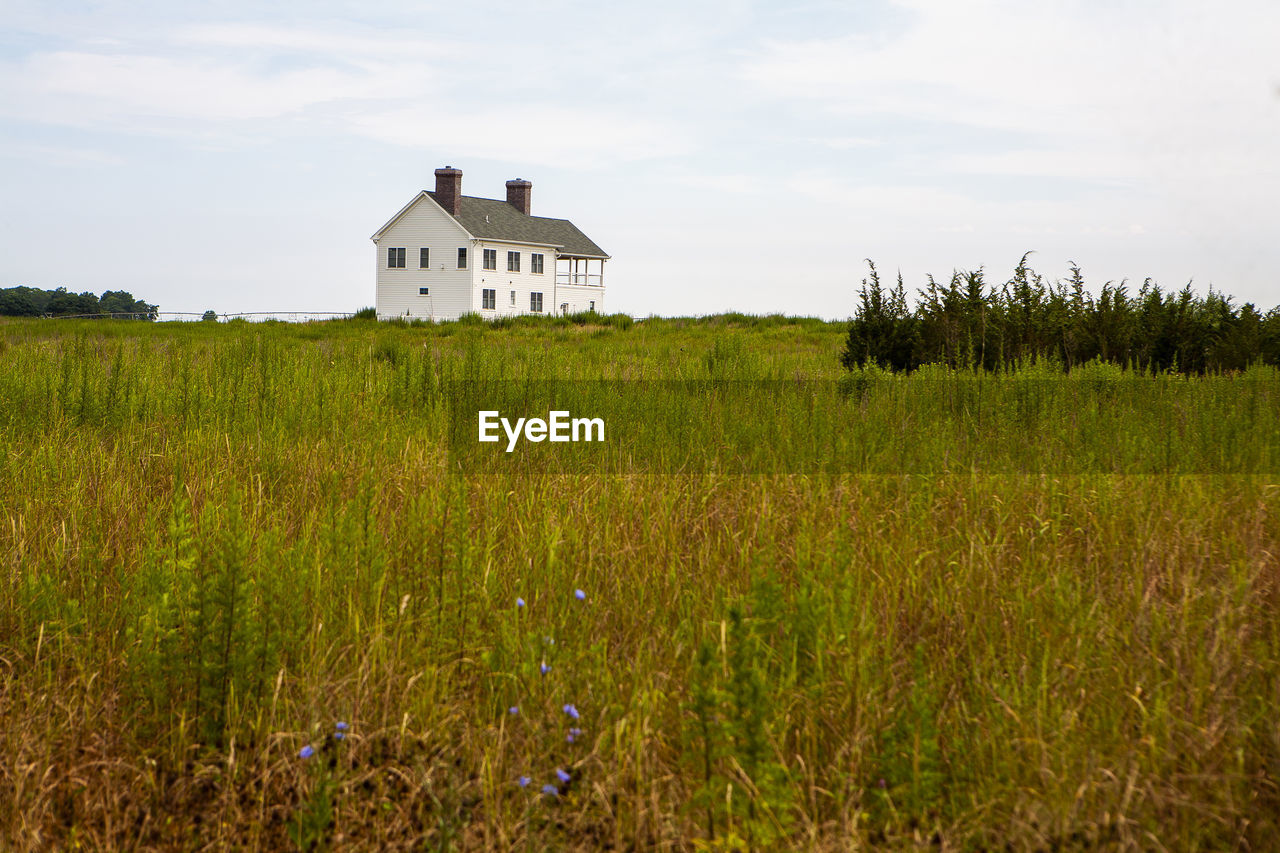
(446, 254)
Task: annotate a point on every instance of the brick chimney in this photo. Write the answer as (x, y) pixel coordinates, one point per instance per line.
(449, 189)
(519, 193)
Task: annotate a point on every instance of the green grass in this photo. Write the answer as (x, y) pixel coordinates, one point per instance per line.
(1027, 610)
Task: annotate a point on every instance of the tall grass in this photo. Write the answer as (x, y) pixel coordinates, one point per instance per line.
(1031, 610)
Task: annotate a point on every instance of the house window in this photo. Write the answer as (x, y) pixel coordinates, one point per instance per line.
(535, 303)
(488, 299)
(535, 263)
(395, 259)
(513, 299)
(462, 259)
(424, 291)
(491, 259)
(513, 262)
(591, 306)
(424, 258)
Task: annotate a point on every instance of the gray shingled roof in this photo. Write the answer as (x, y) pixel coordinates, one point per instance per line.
(504, 222)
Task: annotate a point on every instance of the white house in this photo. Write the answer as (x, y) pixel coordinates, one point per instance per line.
(446, 254)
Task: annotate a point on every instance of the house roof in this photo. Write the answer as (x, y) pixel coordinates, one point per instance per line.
(495, 219)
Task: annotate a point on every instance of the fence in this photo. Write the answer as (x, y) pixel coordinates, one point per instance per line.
(251, 316)
(195, 316)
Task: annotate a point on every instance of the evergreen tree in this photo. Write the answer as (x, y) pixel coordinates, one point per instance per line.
(967, 326)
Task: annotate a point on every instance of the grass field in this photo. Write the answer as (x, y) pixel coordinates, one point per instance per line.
(1028, 611)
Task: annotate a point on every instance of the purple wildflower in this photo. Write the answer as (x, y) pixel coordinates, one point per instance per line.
(580, 595)
(550, 790)
(523, 781)
(545, 667)
(571, 711)
(519, 602)
(562, 776)
(306, 752)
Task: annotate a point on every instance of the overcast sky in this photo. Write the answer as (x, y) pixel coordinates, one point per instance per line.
(729, 155)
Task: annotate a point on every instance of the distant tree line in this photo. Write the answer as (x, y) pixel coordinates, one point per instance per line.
(34, 302)
(968, 324)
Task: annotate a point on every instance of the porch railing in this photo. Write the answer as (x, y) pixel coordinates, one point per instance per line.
(595, 279)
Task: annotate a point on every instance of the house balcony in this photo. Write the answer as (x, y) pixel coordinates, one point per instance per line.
(571, 271)
(592, 279)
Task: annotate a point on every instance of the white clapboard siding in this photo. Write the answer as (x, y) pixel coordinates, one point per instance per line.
(425, 224)
(524, 283)
(579, 297)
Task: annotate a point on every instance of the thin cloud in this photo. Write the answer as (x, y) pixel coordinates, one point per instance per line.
(1117, 170)
(1135, 138)
(1170, 99)
(81, 88)
(225, 78)
(1036, 68)
(587, 137)
(845, 143)
(358, 46)
(740, 183)
(61, 155)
